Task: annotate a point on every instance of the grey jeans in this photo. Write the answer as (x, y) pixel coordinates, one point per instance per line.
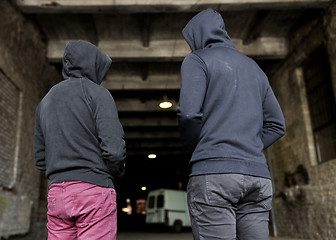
(229, 206)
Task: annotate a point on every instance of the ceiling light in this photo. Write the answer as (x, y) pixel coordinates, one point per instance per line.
(152, 155)
(165, 104)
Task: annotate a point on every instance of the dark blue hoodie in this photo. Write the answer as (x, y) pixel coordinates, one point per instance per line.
(228, 113)
(78, 135)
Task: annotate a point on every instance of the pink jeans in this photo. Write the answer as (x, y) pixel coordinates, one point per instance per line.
(79, 210)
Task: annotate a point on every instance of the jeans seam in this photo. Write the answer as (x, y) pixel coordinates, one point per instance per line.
(260, 192)
(207, 188)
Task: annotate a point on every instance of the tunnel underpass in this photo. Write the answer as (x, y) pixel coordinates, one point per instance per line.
(292, 41)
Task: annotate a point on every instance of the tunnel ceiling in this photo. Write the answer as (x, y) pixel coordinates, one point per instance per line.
(144, 40)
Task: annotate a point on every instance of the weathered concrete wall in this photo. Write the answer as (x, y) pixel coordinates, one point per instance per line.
(330, 28)
(305, 191)
(25, 76)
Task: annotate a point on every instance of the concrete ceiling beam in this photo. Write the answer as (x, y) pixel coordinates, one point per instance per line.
(255, 26)
(136, 105)
(151, 134)
(129, 50)
(149, 122)
(154, 144)
(131, 82)
(134, 6)
(172, 50)
(163, 151)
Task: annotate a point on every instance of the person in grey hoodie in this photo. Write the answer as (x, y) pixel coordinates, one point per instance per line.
(79, 145)
(228, 114)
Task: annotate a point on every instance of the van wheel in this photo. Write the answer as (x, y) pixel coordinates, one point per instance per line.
(177, 227)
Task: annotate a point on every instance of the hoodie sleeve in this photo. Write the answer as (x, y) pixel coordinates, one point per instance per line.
(39, 144)
(192, 93)
(274, 122)
(110, 133)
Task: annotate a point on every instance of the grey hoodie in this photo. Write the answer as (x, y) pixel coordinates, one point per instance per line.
(228, 113)
(78, 135)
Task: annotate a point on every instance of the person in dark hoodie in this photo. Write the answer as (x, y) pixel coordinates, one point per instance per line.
(79, 145)
(228, 115)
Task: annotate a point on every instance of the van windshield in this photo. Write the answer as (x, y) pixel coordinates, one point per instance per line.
(151, 201)
(160, 201)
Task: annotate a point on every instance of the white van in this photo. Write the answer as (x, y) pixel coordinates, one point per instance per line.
(168, 207)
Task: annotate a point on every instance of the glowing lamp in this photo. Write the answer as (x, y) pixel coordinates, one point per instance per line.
(152, 155)
(165, 104)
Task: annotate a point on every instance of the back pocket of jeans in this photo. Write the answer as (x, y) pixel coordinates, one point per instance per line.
(51, 205)
(266, 193)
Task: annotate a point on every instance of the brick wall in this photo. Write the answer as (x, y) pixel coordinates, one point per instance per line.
(305, 190)
(25, 76)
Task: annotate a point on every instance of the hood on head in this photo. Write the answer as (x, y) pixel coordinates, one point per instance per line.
(83, 59)
(204, 29)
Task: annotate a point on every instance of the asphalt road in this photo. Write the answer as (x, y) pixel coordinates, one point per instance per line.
(154, 236)
(166, 235)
